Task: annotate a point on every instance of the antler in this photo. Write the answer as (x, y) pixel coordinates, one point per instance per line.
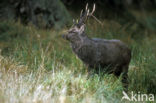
(84, 15)
(90, 14)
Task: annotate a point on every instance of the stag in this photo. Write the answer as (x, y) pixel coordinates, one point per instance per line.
(112, 56)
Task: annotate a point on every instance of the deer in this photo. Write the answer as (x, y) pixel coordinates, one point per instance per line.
(109, 56)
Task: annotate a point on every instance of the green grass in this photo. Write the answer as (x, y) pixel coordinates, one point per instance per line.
(38, 66)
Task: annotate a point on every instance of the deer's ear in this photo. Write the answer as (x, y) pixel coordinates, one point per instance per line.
(82, 29)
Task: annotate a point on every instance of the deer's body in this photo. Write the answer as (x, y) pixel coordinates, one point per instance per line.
(99, 53)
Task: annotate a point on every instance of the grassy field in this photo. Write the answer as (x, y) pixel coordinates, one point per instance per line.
(38, 66)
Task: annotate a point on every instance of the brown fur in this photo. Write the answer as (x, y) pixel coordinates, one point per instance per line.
(100, 53)
(111, 56)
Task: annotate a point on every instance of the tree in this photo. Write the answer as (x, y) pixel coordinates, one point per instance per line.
(42, 13)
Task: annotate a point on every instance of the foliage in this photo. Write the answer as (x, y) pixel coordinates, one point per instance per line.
(41, 13)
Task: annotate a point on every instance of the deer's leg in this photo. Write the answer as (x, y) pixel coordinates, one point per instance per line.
(122, 69)
(118, 70)
(125, 77)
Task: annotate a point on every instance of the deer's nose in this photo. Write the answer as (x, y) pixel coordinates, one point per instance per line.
(64, 36)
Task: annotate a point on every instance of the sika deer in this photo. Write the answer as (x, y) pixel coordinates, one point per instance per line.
(99, 53)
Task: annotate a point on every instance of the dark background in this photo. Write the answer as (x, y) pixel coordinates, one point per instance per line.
(57, 13)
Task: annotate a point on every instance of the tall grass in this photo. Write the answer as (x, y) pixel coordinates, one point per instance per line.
(39, 66)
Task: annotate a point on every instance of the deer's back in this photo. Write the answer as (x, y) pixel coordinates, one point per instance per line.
(103, 52)
(114, 50)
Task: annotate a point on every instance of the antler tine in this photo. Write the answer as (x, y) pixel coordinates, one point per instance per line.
(93, 9)
(73, 20)
(77, 20)
(87, 12)
(81, 13)
(86, 6)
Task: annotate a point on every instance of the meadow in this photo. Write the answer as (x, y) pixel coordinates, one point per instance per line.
(38, 65)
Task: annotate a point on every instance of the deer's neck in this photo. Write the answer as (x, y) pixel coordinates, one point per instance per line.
(79, 43)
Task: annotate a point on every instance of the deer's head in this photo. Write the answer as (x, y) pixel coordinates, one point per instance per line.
(77, 30)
